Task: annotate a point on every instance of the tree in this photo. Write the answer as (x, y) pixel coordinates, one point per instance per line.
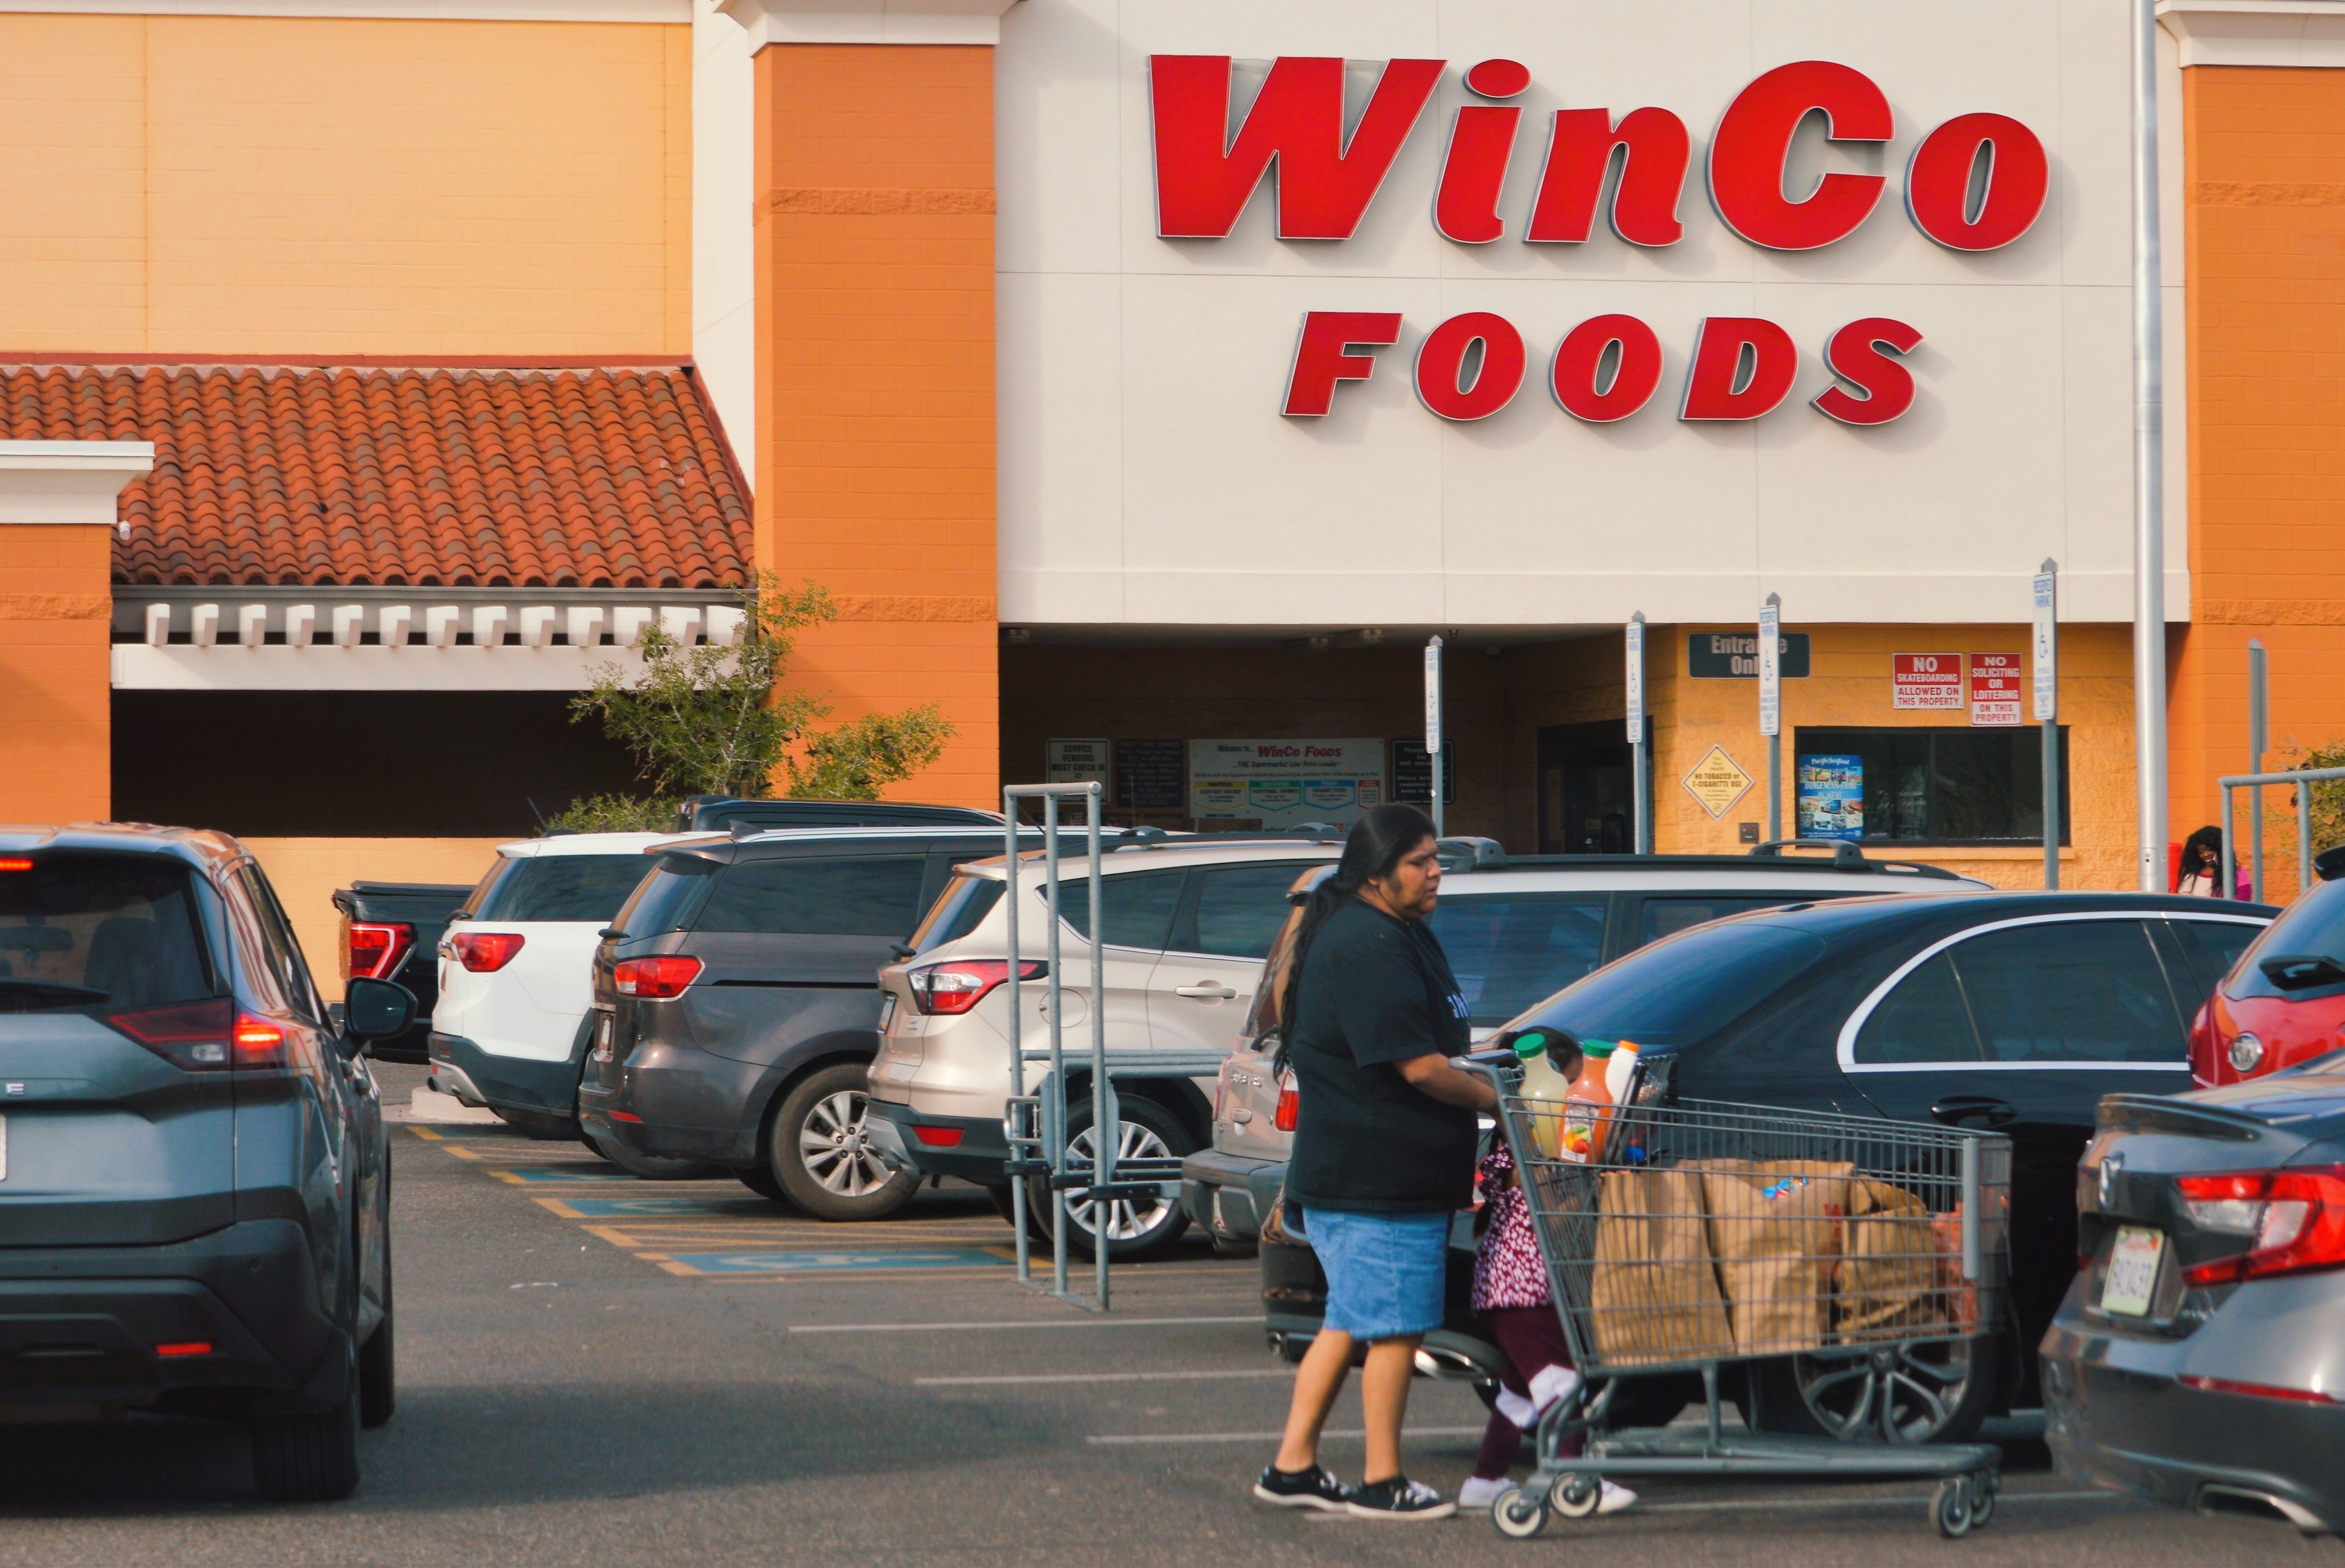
(709, 720)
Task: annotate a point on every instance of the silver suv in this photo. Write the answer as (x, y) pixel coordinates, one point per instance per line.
(1186, 924)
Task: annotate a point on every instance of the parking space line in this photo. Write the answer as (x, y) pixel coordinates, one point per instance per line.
(1110, 1321)
(1135, 1440)
(990, 1381)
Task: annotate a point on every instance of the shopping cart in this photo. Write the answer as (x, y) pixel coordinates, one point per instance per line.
(1694, 1235)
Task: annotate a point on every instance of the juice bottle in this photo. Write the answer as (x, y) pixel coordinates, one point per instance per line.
(1620, 1072)
(1586, 1105)
(1544, 1086)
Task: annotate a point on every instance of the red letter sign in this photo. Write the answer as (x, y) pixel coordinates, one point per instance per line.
(1859, 354)
(1323, 355)
(1716, 387)
(1746, 157)
(1481, 144)
(1202, 183)
(1938, 182)
(1579, 363)
(1441, 366)
(1653, 150)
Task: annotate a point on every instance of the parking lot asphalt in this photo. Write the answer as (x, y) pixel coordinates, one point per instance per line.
(605, 1370)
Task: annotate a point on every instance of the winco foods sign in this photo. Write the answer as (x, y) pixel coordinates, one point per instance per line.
(1975, 183)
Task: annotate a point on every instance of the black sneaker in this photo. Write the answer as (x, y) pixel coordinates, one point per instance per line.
(1399, 1498)
(1312, 1488)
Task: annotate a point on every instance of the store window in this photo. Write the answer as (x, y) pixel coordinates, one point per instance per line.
(1947, 786)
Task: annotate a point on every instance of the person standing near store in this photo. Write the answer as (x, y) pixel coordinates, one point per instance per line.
(2201, 873)
(1383, 1150)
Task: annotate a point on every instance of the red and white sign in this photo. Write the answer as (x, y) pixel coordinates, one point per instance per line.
(1998, 682)
(1926, 680)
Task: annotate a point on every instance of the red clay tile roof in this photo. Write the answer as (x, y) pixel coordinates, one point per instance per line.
(424, 476)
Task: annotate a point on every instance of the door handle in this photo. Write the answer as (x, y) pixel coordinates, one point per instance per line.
(1206, 988)
(1956, 1110)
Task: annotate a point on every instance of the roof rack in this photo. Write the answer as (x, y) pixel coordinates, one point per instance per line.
(1469, 854)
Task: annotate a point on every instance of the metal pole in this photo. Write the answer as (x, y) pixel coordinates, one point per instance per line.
(1433, 726)
(2148, 466)
(2303, 838)
(2047, 708)
(2259, 737)
(1106, 1129)
(1640, 838)
(1056, 1110)
(1770, 707)
(2223, 884)
(1017, 1026)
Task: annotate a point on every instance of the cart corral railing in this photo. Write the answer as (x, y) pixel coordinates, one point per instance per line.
(2255, 784)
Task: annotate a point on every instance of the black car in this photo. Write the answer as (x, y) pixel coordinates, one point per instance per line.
(389, 931)
(736, 1006)
(195, 1191)
(2014, 1012)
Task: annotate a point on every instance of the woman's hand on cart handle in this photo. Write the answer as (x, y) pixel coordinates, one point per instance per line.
(1431, 1073)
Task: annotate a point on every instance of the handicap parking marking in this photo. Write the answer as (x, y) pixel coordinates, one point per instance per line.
(555, 1173)
(830, 1262)
(626, 1207)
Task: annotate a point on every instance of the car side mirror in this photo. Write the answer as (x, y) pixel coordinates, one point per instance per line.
(377, 1008)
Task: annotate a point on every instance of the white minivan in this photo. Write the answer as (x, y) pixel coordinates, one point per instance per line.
(516, 979)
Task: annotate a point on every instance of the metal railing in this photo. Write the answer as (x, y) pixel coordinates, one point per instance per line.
(2256, 784)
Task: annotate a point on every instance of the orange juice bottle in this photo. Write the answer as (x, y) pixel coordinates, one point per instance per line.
(1587, 1106)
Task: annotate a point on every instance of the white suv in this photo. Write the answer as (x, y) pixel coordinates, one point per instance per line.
(517, 978)
(1186, 926)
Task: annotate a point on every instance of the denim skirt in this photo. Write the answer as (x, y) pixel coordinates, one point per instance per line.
(1386, 1272)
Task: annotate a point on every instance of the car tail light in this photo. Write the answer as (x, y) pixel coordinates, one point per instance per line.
(374, 950)
(2296, 1218)
(185, 1348)
(938, 1137)
(204, 1036)
(15, 863)
(1290, 1104)
(2258, 1390)
(960, 985)
(486, 952)
(654, 978)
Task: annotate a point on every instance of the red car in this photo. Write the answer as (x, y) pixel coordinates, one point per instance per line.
(2283, 1003)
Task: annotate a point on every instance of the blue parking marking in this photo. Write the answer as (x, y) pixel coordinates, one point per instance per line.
(834, 1262)
(559, 1174)
(623, 1208)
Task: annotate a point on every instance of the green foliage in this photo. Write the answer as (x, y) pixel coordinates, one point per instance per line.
(2327, 796)
(710, 721)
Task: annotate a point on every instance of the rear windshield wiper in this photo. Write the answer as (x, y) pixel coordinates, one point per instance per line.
(2302, 970)
(40, 995)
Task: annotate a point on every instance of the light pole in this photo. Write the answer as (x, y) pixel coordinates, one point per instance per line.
(1770, 707)
(2148, 466)
(1640, 838)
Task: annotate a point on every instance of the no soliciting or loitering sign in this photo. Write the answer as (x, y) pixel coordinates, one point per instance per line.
(1997, 683)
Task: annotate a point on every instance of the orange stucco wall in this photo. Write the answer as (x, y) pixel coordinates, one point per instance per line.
(875, 380)
(252, 187)
(53, 608)
(2264, 215)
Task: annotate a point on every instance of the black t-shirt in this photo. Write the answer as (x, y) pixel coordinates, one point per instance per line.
(1375, 991)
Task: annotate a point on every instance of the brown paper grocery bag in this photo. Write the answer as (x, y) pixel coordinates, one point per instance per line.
(1775, 1226)
(1655, 1295)
(1886, 1284)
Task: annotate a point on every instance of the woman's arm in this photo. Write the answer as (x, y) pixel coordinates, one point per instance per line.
(1431, 1073)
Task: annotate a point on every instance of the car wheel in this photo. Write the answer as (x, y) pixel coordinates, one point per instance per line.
(819, 1155)
(760, 1180)
(309, 1458)
(1929, 1392)
(1136, 1228)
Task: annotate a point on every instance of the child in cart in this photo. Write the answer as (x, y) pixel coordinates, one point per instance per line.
(1511, 1293)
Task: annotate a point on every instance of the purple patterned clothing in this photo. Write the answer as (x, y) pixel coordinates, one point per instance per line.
(1507, 1271)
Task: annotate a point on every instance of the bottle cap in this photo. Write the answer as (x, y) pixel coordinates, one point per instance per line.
(1529, 1044)
(1598, 1049)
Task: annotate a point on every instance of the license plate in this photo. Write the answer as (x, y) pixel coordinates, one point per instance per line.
(887, 1010)
(2132, 1278)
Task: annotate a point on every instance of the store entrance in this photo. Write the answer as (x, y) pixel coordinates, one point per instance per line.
(1586, 787)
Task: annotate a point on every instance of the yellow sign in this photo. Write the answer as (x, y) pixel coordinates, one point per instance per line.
(1716, 781)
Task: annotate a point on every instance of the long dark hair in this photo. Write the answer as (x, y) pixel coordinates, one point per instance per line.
(1377, 843)
(2209, 839)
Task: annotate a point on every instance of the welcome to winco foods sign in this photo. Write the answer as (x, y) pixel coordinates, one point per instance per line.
(1974, 183)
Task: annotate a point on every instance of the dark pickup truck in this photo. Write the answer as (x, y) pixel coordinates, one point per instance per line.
(391, 930)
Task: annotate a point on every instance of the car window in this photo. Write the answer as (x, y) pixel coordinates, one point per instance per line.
(116, 931)
(2315, 923)
(562, 888)
(282, 949)
(2070, 990)
(965, 901)
(1136, 910)
(1509, 952)
(1667, 916)
(816, 897)
(1921, 1020)
(2213, 947)
(1238, 909)
(1685, 988)
(665, 900)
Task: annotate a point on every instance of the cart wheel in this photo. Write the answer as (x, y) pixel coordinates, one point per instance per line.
(1984, 1486)
(1950, 1509)
(1517, 1514)
(1575, 1496)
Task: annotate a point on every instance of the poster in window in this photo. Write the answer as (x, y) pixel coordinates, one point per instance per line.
(1285, 783)
(1831, 796)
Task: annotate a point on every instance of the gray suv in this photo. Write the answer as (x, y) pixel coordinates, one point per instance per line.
(736, 1006)
(195, 1192)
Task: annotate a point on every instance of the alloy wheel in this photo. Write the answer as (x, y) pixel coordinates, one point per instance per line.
(1127, 1220)
(1906, 1393)
(833, 1144)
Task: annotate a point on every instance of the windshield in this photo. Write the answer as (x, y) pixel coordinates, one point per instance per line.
(559, 887)
(965, 902)
(93, 930)
(665, 900)
(1509, 951)
(2313, 927)
(1684, 988)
